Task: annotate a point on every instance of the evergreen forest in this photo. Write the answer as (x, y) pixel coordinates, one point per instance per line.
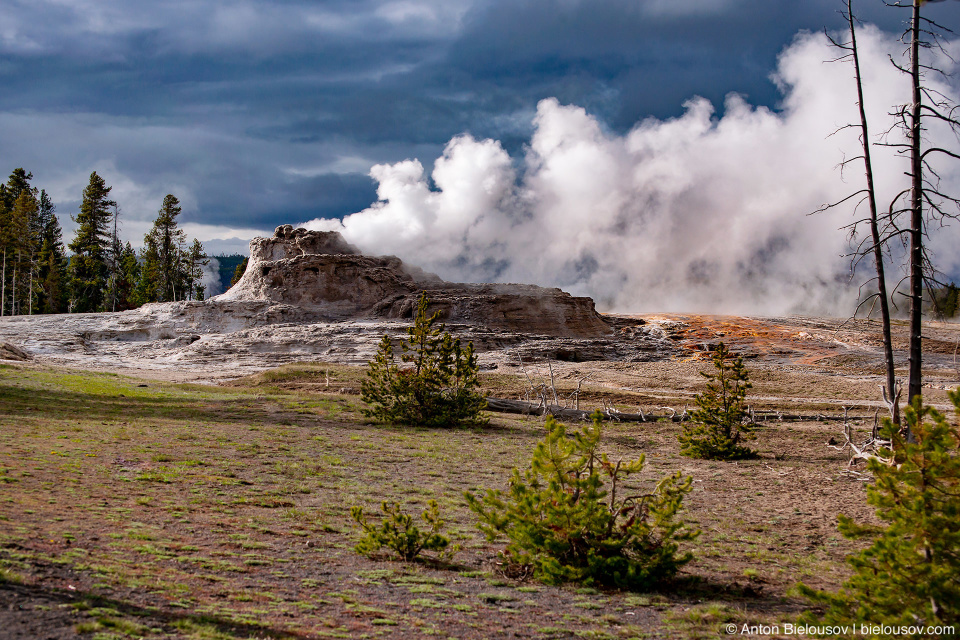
(40, 272)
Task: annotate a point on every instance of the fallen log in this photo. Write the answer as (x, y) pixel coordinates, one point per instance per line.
(775, 416)
(503, 405)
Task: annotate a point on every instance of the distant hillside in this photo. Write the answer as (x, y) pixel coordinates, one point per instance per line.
(228, 264)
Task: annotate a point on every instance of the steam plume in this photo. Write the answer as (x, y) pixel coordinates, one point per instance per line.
(211, 278)
(698, 213)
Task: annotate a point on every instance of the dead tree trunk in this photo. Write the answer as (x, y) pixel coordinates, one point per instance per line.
(874, 227)
(30, 293)
(916, 211)
(13, 302)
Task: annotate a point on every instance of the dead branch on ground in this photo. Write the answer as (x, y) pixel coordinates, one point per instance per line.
(869, 448)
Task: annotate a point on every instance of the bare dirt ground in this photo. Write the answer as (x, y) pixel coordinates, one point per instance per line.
(135, 506)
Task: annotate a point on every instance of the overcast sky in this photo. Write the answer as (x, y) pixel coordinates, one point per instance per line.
(257, 113)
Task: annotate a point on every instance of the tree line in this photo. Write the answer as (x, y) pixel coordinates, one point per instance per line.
(95, 271)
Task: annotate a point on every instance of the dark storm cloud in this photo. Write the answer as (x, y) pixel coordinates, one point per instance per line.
(259, 113)
(242, 106)
(629, 60)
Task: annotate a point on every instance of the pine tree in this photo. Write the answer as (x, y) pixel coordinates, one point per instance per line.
(944, 300)
(165, 270)
(89, 269)
(43, 210)
(148, 282)
(571, 518)
(438, 388)
(127, 278)
(908, 576)
(164, 243)
(17, 183)
(196, 260)
(238, 272)
(952, 301)
(398, 532)
(6, 236)
(46, 211)
(720, 422)
(53, 279)
(21, 248)
(17, 219)
(52, 262)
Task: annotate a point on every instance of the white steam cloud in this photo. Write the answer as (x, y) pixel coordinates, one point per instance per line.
(211, 278)
(697, 213)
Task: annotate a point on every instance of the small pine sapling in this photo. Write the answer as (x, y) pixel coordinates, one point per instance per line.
(908, 576)
(571, 517)
(397, 532)
(721, 421)
(435, 386)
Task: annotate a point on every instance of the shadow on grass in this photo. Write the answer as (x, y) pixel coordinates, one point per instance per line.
(473, 429)
(700, 589)
(27, 596)
(64, 404)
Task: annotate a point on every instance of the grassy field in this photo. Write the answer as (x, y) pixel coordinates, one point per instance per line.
(138, 509)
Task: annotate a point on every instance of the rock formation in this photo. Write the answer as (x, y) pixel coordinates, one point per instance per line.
(309, 295)
(326, 278)
(12, 352)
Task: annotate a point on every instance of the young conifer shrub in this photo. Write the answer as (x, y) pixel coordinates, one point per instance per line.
(720, 422)
(909, 576)
(396, 531)
(571, 517)
(435, 384)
